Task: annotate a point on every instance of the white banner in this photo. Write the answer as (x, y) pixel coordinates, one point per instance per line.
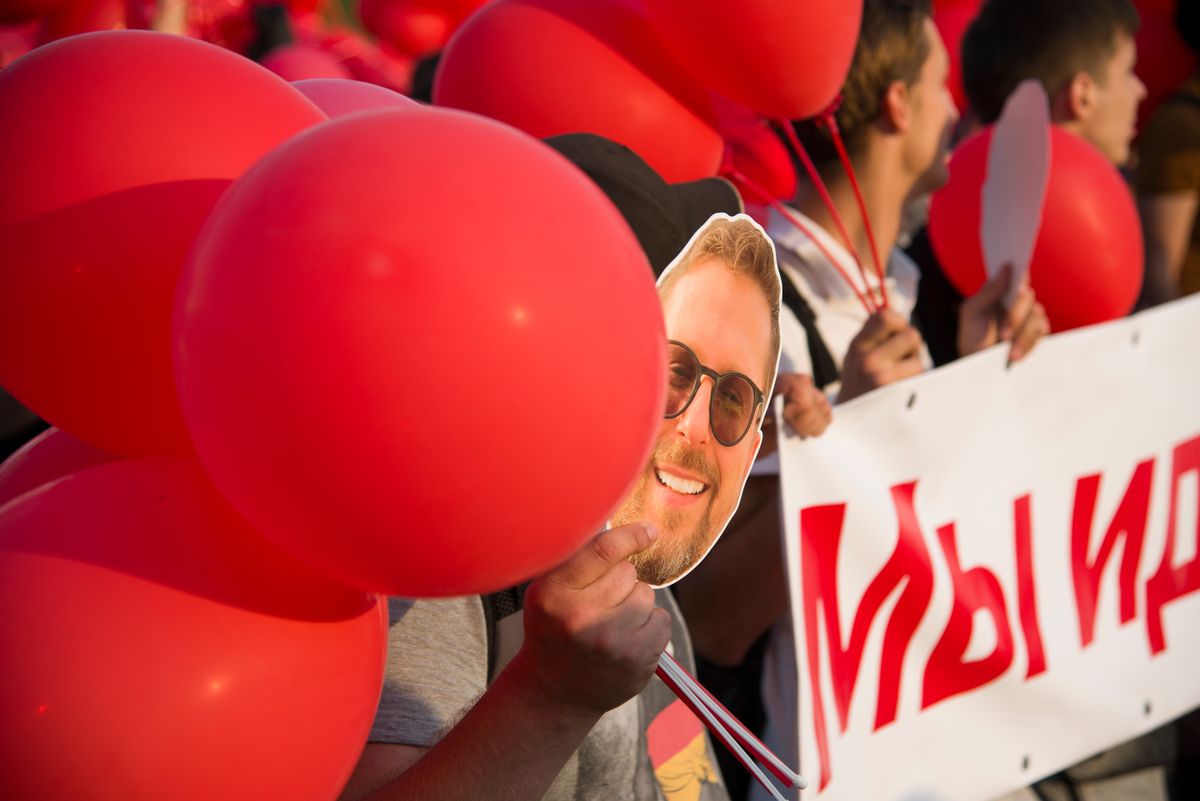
(994, 570)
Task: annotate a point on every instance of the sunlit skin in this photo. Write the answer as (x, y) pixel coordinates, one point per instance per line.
(1111, 116)
(933, 117)
(725, 319)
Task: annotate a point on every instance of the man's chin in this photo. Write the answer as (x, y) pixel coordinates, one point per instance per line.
(654, 570)
(673, 555)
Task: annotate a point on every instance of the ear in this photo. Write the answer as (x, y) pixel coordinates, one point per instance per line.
(895, 111)
(1076, 101)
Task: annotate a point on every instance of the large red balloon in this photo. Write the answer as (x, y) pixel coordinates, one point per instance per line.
(781, 59)
(155, 647)
(106, 181)
(420, 350)
(1087, 261)
(555, 66)
(50, 455)
(337, 98)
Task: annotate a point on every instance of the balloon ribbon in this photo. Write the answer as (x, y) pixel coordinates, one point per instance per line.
(726, 728)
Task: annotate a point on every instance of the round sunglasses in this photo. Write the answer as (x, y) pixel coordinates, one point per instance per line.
(732, 404)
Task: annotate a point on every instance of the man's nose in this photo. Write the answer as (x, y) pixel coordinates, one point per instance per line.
(693, 423)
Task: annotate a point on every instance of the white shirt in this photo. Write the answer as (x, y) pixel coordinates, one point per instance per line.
(840, 315)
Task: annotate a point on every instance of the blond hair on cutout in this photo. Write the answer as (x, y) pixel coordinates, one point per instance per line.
(746, 250)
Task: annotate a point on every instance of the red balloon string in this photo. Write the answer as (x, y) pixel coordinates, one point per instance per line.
(732, 172)
(802, 154)
(828, 119)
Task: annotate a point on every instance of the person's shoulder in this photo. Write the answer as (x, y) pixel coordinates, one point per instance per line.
(437, 664)
(437, 631)
(427, 609)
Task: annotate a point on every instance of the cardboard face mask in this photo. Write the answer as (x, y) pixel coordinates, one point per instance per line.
(721, 363)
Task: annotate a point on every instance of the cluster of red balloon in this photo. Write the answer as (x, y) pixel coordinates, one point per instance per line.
(197, 634)
(383, 373)
(85, 318)
(534, 64)
(1087, 260)
(325, 44)
(155, 647)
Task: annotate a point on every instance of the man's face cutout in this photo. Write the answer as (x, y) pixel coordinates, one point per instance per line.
(692, 483)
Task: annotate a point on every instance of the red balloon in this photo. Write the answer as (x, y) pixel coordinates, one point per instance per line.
(410, 26)
(1087, 261)
(553, 66)
(156, 647)
(952, 23)
(1164, 61)
(298, 62)
(402, 360)
(50, 455)
(756, 160)
(781, 59)
(337, 98)
(92, 237)
(756, 153)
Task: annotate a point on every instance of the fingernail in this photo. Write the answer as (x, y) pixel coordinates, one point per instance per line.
(652, 531)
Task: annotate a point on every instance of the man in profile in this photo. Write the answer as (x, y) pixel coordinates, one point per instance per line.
(721, 306)
(1082, 52)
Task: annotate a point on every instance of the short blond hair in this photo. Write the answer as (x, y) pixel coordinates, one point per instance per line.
(745, 249)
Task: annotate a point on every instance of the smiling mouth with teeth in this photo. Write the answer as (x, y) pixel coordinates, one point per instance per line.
(679, 484)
